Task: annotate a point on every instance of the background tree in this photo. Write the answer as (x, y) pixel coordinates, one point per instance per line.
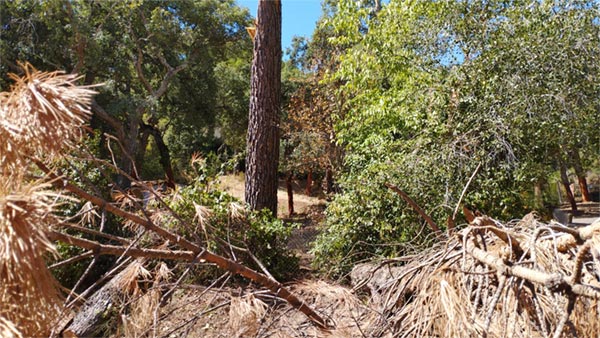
(263, 123)
(159, 61)
(312, 107)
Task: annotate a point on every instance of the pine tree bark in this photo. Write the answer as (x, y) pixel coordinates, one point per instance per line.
(263, 122)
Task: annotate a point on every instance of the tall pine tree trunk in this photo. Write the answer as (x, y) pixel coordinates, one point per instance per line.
(263, 122)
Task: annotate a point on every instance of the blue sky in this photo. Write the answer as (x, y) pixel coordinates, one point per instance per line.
(298, 17)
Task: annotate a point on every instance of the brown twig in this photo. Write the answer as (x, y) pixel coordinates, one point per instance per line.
(565, 317)
(505, 235)
(462, 194)
(583, 251)
(552, 281)
(72, 259)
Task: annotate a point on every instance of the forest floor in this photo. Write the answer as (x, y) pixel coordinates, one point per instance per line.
(308, 213)
(228, 310)
(232, 312)
(587, 213)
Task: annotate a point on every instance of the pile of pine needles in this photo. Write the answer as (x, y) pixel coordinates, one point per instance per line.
(523, 279)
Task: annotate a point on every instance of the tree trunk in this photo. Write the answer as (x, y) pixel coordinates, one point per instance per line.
(576, 162)
(263, 122)
(538, 194)
(329, 180)
(163, 150)
(567, 186)
(91, 319)
(130, 149)
(309, 182)
(290, 193)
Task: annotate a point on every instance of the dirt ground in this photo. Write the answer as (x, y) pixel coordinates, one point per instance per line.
(308, 212)
(234, 185)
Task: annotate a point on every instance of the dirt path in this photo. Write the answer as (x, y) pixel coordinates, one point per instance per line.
(234, 185)
(587, 213)
(309, 213)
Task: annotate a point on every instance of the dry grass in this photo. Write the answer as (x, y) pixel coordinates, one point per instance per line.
(144, 306)
(41, 114)
(27, 291)
(223, 312)
(472, 285)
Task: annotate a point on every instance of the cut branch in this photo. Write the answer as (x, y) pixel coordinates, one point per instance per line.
(556, 282)
(115, 250)
(508, 238)
(416, 207)
(97, 233)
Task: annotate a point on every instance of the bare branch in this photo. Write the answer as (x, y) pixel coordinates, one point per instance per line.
(113, 122)
(552, 281)
(200, 253)
(72, 259)
(96, 233)
(106, 249)
(164, 84)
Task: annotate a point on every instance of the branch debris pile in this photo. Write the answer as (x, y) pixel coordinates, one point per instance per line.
(525, 279)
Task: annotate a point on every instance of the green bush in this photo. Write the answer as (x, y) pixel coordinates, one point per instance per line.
(223, 224)
(366, 220)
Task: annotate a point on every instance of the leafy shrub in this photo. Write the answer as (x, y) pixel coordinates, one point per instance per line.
(364, 221)
(224, 225)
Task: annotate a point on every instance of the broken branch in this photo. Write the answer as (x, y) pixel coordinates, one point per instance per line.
(200, 253)
(416, 207)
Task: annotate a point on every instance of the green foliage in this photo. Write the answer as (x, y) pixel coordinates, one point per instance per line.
(179, 66)
(69, 274)
(224, 225)
(367, 221)
(434, 89)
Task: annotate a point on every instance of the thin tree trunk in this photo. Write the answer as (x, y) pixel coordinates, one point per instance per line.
(163, 150)
(290, 193)
(130, 149)
(263, 121)
(567, 185)
(538, 196)
(309, 182)
(143, 140)
(576, 162)
(329, 180)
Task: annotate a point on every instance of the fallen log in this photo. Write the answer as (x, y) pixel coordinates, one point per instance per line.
(92, 317)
